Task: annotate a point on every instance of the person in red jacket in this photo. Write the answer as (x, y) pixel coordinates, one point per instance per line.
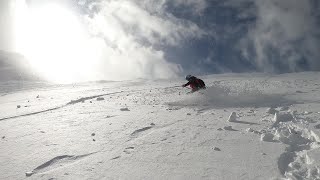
(195, 83)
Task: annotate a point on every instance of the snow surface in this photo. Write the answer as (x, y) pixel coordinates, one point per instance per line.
(243, 126)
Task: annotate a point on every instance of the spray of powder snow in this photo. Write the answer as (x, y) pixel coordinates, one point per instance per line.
(224, 97)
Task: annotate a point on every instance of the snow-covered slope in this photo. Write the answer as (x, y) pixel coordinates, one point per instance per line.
(243, 126)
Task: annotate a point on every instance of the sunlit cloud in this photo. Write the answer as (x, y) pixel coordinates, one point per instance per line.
(54, 41)
(133, 34)
(111, 39)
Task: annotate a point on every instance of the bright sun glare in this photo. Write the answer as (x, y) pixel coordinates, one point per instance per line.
(55, 42)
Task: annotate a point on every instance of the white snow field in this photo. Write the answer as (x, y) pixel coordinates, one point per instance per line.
(243, 126)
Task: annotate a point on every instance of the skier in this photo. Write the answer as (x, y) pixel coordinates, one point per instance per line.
(195, 83)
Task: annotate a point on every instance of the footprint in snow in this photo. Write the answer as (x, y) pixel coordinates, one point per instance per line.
(229, 128)
(109, 116)
(307, 113)
(117, 157)
(100, 99)
(216, 149)
(284, 108)
(128, 150)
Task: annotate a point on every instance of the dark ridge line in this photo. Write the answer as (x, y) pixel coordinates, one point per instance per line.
(29, 114)
(90, 97)
(72, 102)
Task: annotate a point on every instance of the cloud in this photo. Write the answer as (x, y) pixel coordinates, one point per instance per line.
(165, 38)
(133, 33)
(284, 37)
(197, 6)
(212, 36)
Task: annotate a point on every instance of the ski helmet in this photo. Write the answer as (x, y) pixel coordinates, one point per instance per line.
(188, 77)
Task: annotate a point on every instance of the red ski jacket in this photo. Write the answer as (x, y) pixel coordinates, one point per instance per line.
(195, 84)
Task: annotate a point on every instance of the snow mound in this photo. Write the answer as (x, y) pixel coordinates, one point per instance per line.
(282, 117)
(271, 110)
(233, 117)
(285, 108)
(295, 136)
(249, 130)
(267, 137)
(229, 128)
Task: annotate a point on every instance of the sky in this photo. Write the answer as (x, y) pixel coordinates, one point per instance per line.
(169, 38)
